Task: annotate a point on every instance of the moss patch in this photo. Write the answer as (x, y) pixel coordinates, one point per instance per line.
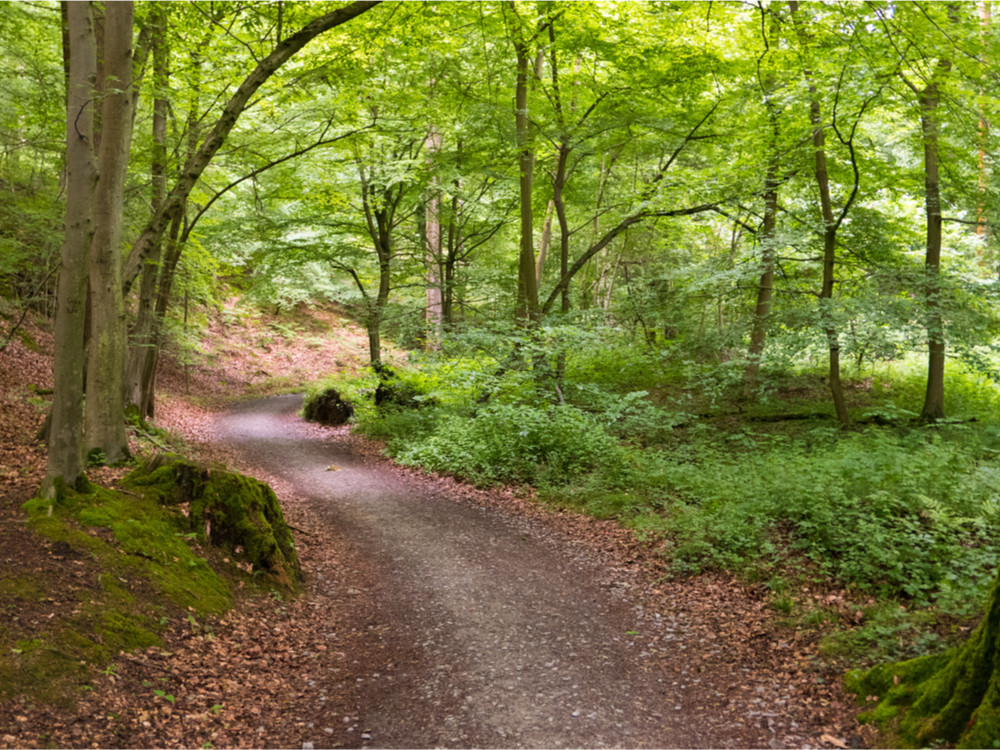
(113, 568)
(952, 697)
(227, 510)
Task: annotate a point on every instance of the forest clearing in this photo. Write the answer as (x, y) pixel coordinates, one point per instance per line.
(499, 374)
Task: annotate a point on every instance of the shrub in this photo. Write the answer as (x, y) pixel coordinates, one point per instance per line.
(518, 443)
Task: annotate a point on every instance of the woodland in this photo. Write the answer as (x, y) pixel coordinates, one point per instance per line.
(723, 272)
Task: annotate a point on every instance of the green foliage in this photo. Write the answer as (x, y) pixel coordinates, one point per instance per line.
(897, 515)
(515, 443)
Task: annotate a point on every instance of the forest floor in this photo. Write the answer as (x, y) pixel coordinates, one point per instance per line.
(435, 614)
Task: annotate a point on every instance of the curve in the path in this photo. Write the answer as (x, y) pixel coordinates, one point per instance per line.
(505, 636)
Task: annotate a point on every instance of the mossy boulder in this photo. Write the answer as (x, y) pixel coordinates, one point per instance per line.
(951, 698)
(327, 407)
(235, 512)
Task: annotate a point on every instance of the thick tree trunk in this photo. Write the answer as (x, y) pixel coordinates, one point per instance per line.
(105, 406)
(951, 698)
(65, 457)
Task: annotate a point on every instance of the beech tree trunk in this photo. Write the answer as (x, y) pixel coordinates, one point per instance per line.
(934, 399)
(527, 309)
(765, 287)
(830, 227)
(432, 233)
(142, 352)
(65, 446)
(951, 698)
(104, 426)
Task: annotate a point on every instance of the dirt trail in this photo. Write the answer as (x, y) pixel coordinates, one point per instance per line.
(496, 632)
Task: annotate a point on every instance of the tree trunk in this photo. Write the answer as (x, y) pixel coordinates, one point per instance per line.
(985, 21)
(951, 698)
(434, 313)
(934, 398)
(105, 406)
(65, 443)
(527, 285)
(543, 245)
(830, 227)
(765, 288)
(143, 346)
(171, 256)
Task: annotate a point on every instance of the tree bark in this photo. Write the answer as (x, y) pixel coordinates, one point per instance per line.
(765, 287)
(830, 227)
(543, 245)
(527, 309)
(65, 444)
(434, 314)
(105, 408)
(951, 698)
(930, 99)
(143, 346)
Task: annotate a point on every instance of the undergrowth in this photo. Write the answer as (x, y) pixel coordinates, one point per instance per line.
(902, 516)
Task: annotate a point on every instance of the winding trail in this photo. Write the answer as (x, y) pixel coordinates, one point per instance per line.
(495, 631)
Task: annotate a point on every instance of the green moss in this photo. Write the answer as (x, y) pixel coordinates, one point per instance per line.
(952, 697)
(149, 544)
(225, 509)
(21, 587)
(150, 548)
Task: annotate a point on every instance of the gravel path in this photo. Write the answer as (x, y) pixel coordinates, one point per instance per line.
(494, 631)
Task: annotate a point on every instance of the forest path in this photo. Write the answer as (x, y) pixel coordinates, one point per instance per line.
(484, 628)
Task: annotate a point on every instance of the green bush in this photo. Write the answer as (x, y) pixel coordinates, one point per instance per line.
(515, 443)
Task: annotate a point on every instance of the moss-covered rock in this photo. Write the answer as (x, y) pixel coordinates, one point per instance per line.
(327, 407)
(951, 698)
(225, 509)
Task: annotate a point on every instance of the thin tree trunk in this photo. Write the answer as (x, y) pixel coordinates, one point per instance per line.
(765, 287)
(830, 227)
(434, 313)
(543, 245)
(105, 406)
(527, 309)
(934, 398)
(164, 291)
(143, 347)
(985, 19)
(65, 442)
